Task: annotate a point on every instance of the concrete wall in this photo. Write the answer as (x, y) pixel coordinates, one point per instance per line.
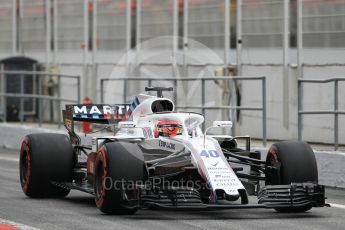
(11, 135)
(256, 62)
(316, 128)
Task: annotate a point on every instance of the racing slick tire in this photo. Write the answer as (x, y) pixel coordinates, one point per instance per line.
(45, 157)
(297, 165)
(119, 166)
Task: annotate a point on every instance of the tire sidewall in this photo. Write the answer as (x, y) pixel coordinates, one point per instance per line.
(297, 162)
(49, 157)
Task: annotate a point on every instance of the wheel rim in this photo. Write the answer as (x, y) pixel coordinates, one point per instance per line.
(24, 168)
(99, 179)
(273, 157)
(273, 177)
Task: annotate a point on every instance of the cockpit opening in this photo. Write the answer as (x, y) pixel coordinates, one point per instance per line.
(162, 106)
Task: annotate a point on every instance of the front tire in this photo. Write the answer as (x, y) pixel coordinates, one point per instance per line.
(119, 167)
(296, 163)
(44, 158)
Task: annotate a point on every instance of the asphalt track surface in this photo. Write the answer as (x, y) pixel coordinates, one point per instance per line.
(78, 211)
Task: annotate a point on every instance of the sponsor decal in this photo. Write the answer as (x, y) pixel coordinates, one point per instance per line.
(226, 177)
(134, 104)
(166, 145)
(215, 164)
(125, 131)
(225, 180)
(220, 169)
(209, 153)
(99, 109)
(147, 132)
(226, 184)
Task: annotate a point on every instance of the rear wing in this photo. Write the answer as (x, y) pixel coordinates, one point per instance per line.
(94, 113)
(97, 113)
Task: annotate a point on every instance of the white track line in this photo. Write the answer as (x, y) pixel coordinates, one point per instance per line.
(337, 206)
(9, 159)
(17, 225)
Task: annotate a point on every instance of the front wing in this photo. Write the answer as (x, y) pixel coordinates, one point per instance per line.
(271, 196)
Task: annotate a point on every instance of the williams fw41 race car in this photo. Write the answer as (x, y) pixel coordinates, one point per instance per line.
(161, 159)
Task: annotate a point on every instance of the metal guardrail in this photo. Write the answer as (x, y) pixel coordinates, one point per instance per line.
(336, 112)
(35, 95)
(202, 107)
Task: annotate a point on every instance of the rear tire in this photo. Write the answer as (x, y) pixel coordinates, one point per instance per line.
(118, 162)
(297, 165)
(44, 158)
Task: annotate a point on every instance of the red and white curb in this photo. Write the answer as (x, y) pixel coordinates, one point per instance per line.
(10, 225)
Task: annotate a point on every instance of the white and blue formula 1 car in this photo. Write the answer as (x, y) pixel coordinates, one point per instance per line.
(159, 158)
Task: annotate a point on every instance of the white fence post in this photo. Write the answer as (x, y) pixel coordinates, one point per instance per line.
(128, 33)
(226, 33)
(85, 47)
(94, 77)
(300, 38)
(239, 37)
(48, 32)
(286, 36)
(185, 36)
(138, 29)
(55, 26)
(20, 27)
(175, 27)
(14, 27)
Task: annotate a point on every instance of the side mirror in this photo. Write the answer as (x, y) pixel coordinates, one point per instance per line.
(218, 124)
(222, 124)
(127, 124)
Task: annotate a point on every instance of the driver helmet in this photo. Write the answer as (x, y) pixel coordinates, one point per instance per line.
(168, 128)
